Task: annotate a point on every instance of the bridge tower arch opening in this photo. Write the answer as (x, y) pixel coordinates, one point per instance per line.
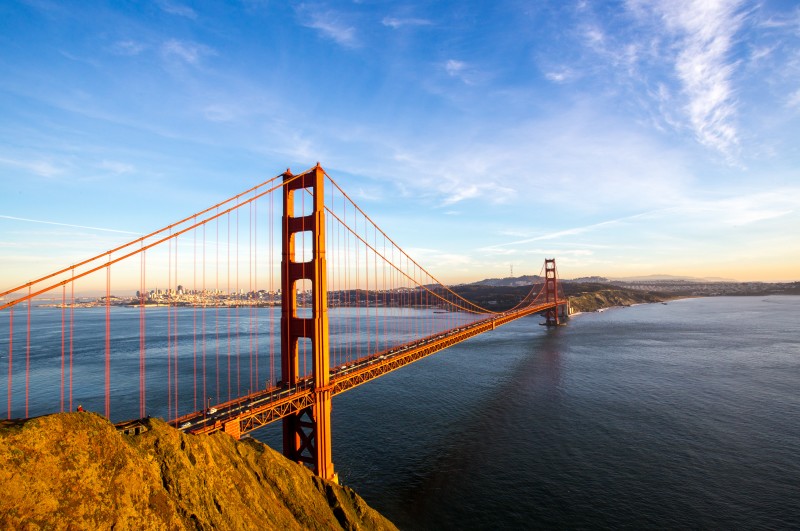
(307, 433)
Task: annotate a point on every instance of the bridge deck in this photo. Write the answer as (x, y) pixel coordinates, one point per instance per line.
(258, 409)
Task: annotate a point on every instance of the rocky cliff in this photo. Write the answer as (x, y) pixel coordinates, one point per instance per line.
(607, 298)
(75, 471)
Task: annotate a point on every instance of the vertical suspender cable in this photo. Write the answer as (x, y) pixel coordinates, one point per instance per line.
(143, 296)
(228, 308)
(71, 332)
(175, 334)
(63, 341)
(28, 355)
(237, 301)
(375, 269)
(357, 266)
(303, 267)
(10, 356)
(204, 298)
(216, 312)
(383, 292)
(193, 297)
(108, 341)
(253, 293)
(271, 314)
(170, 415)
(348, 286)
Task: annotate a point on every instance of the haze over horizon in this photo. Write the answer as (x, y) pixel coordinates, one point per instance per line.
(626, 138)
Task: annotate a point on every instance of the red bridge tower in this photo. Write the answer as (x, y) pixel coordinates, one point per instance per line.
(306, 434)
(551, 292)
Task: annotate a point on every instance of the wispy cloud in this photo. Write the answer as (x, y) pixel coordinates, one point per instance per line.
(185, 51)
(706, 33)
(461, 193)
(454, 67)
(718, 214)
(794, 99)
(461, 70)
(330, 24)
(255, 5)
(443, 260)
(734, 211)
(14, 218)
(79, 59)
(595, 36)
(760, 53)
(789, 20)
(562, 75)
(116, 167)
(613, 51)
(570, 232)
(48, 7)
(174, 8)
(741, 210)
(128, 47)
(42, 168)
(220, 113)
(396, 23)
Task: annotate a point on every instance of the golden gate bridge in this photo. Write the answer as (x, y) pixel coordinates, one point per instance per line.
(262, 312)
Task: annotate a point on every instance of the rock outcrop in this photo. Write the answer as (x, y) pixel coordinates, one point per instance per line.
(608, 298)
(75, 471)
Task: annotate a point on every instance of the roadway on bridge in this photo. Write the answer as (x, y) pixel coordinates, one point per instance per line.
(254, 411)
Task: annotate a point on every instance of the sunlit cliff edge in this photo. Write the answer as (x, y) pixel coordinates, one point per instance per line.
(75, 471)
(608, 298)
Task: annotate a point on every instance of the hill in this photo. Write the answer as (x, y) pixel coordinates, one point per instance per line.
(664, 277)
(584, 296)
(524, 280)
(75, 471)
(593, 300)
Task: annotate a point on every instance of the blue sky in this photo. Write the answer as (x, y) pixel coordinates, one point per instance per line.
(623, 138)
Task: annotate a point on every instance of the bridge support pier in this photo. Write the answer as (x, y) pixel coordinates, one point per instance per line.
(563, 310)
(306, 434)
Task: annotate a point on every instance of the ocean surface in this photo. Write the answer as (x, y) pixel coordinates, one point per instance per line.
(684, 415)
(677, 416)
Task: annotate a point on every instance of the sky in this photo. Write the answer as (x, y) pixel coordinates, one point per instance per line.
(623, 138)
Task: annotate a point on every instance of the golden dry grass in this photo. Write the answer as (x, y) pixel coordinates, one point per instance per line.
(75, 471)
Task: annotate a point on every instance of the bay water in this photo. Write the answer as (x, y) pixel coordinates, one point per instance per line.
(678, 415)
(684, 415)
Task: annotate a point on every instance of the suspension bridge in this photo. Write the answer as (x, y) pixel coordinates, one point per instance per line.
(260, 308)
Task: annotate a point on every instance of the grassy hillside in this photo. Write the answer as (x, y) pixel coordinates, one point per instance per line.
(590, 301)
(584, 297)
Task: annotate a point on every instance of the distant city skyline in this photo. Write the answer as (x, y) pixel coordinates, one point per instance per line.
(625, 139)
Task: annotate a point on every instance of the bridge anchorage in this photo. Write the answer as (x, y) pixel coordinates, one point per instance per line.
(201, 337)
